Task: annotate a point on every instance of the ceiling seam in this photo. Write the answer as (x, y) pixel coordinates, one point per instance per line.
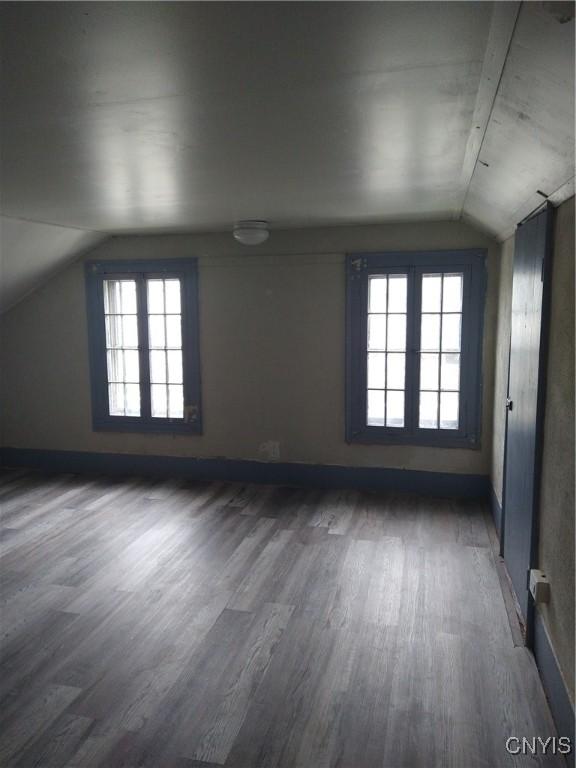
(52, 224)
(51, 274)
(495, 96)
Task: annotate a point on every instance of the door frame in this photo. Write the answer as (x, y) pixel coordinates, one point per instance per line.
(546, 278)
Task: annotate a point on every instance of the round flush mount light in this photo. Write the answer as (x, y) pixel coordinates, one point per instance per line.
(251, 232)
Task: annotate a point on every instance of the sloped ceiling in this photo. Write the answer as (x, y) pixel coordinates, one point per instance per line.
(31, 252)
(161, 117)
(527, 152)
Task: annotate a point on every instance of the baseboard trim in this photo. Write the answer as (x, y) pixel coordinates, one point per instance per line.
(558, 698)
(496, 510)
(274, 473)
(553, 683)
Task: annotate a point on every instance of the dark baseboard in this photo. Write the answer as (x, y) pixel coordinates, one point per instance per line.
(273, 473)
(558, 698)
(552, 681)
(496, 510)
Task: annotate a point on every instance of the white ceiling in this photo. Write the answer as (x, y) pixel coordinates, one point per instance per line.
(149, 117)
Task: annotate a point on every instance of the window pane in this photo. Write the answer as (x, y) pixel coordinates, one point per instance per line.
(113, 331)
(116, 399)
(394, 409)
(429, 371)
(165, 332)
(159, 400)
(396, 370)
(176, 401)
(112, 297)
(397, 332)
(376, 370)
(450, 372)
(132, 394)
(155, 297)
(172, 288)
(158, 367)
(449, 410)
(375, 415)
(131, 366)
(175, 366)
(430, 333)
(156, 336)
(120, 306)
(115, 365)
(130, 331)
(431, 290)
(377, 294)
(428, 418)
(451, 333)
(173, 331)
(452, 300)
(128, 288)
(397, 293)
(376, 331)
(119, 297)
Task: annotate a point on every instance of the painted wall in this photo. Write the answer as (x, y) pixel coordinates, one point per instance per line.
(502, 334)
(272, 350)
(556, 541)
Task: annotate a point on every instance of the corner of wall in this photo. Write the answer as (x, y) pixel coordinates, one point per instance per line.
(501, 353)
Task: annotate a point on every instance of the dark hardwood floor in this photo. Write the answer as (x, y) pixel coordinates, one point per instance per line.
(174, 624)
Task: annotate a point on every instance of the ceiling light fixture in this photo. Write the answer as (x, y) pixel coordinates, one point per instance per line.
(251, 232)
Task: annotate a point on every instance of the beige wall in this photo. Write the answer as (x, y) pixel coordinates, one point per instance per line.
(272, 350)
(501, 366)
(556, 541)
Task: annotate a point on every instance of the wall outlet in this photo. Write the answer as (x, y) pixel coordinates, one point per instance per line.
(270, 449)
(539, 586)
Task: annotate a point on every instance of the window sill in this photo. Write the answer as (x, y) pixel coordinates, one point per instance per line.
(121, 424)
(375, 437)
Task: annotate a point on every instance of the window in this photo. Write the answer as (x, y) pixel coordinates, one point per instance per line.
(143, 339)
(414, 347)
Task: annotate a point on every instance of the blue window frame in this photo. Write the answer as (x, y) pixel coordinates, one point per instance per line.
(144, 345)
(414, 347)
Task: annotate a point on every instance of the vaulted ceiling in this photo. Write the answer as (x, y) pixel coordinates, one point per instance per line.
(186, 116)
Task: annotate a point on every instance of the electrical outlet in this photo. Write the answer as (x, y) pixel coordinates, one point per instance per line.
(539, 586)
(270, 449)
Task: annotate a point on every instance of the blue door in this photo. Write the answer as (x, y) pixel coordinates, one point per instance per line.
(525, 400)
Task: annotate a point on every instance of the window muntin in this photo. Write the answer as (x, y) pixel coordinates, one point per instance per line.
(123, 368)
(386, 350)
(143, 343)
(438, 368)
(165, 348)
(440, 333)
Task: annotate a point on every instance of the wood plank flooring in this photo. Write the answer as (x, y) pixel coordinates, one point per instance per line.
(177, 624)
